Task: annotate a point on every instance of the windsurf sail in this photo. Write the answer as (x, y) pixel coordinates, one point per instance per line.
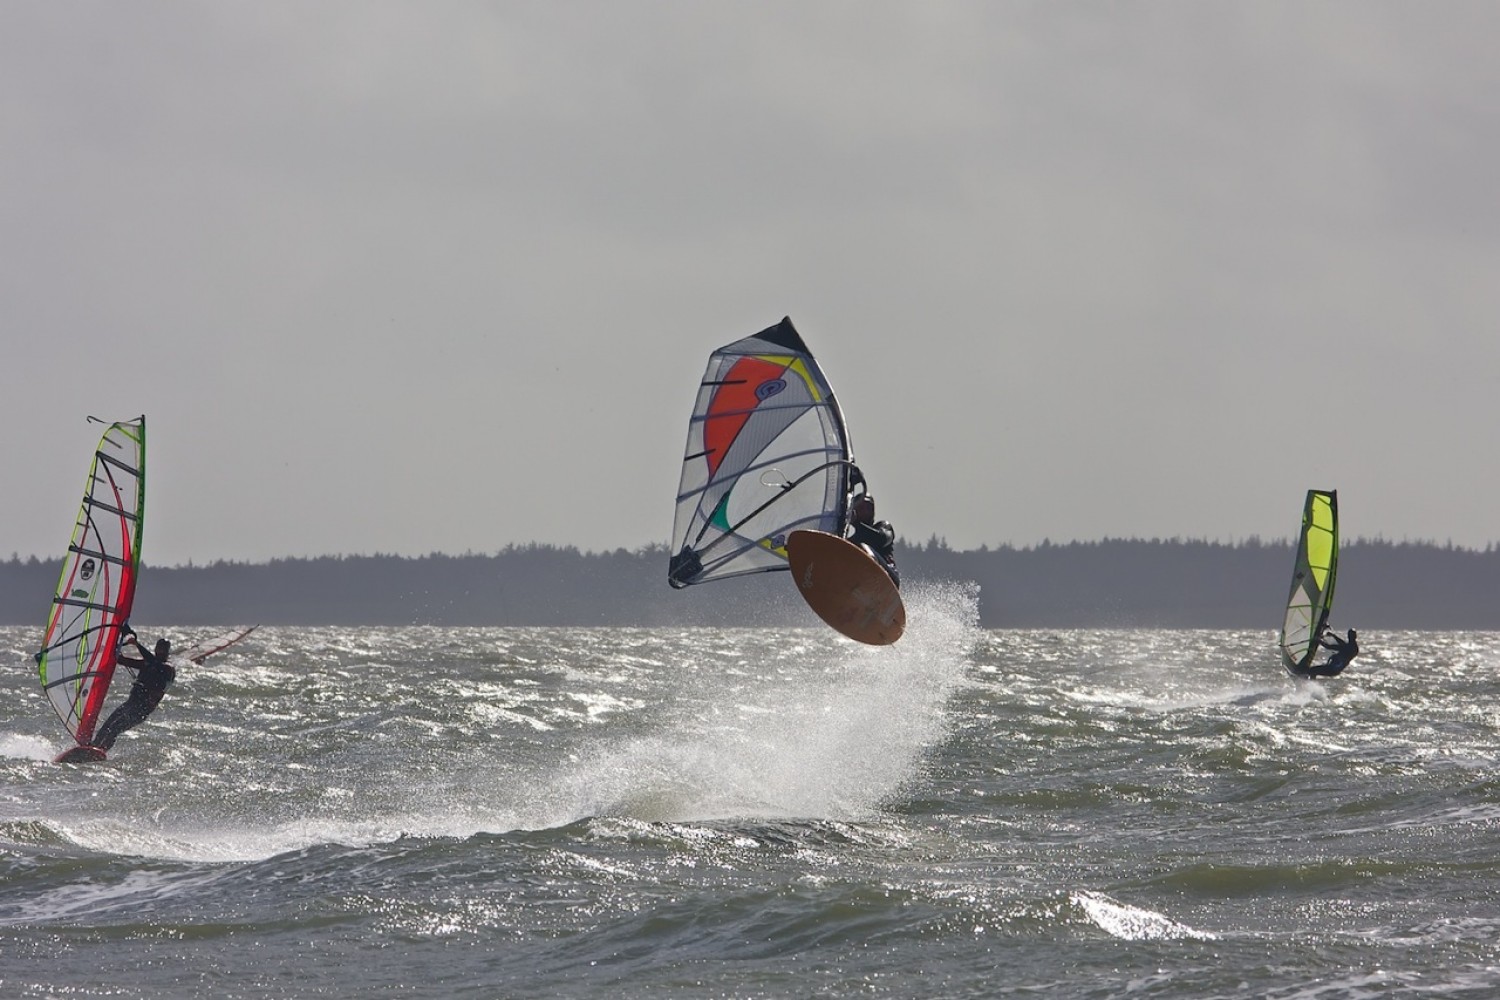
(1313, 577)
(767, 453)
(97, 586)
(204, 648)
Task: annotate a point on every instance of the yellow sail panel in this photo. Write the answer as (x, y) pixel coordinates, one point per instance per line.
(1320, 530)
(799, 367)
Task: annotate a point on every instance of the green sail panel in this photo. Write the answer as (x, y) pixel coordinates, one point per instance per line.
(97, 586)
(1313, 577)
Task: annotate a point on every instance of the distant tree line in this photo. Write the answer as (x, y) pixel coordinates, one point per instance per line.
(1157, 583)
(1198, 584)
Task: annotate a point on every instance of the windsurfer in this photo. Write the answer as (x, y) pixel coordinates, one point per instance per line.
(1342, 650)
(152, 675)
(876, 537)
(684, 568)
(857, 485)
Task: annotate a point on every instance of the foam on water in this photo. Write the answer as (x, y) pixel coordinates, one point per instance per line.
(28, 747)
(1132, 923)
(807, 726)
(838, 735)
(768, 812)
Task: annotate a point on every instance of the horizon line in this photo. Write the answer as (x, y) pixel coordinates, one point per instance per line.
(933, 542)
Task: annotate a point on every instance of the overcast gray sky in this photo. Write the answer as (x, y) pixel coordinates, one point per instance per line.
(441, 276)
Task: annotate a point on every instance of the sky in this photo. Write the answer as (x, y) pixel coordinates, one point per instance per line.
(443, 277)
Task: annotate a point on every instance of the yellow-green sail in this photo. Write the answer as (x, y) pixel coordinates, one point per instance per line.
(1313, 577)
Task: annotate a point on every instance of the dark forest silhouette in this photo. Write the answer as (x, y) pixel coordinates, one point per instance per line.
(1110, 583)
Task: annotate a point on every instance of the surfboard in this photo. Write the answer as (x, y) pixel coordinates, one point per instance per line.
(846, 587)
(80, 754)
(204, 648)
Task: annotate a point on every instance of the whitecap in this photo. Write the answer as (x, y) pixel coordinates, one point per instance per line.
(1131, 923)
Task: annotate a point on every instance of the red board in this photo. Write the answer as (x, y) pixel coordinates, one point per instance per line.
(846, 587)
(81, 754)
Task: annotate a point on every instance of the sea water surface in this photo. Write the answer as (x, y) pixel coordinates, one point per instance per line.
(437, 812)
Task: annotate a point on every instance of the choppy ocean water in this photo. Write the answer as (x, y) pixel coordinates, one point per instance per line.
(428, 812)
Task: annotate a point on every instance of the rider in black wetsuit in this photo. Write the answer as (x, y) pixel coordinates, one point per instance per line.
(153, 674)
(876, 537)
(1343, 651)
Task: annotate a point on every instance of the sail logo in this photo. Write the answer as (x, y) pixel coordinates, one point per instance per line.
(769, 388)
(86, 571)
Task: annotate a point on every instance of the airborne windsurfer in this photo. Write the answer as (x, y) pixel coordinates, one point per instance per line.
(1343, 650)
(152, 675)
(767, 485)
(876, 537)
(684, 568)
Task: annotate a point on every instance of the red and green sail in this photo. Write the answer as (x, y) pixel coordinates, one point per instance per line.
(97, 585)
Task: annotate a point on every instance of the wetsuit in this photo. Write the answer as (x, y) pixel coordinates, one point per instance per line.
(151, 680)
(879, 539)
(1343, 652)
(684, 568)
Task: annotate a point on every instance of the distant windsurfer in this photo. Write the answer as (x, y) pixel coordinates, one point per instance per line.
(876, 537)
(1341, 650)
(152, 675)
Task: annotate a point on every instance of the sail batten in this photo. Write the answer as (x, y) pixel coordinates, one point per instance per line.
(96, 588)
(98, 554)
(767, 452)
(1314, 575)
(120, 512)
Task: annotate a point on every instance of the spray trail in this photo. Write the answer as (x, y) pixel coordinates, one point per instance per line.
(827, 729)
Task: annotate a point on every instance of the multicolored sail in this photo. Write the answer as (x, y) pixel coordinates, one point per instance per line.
(1313, 577)
(97, 586)
(767, 453)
